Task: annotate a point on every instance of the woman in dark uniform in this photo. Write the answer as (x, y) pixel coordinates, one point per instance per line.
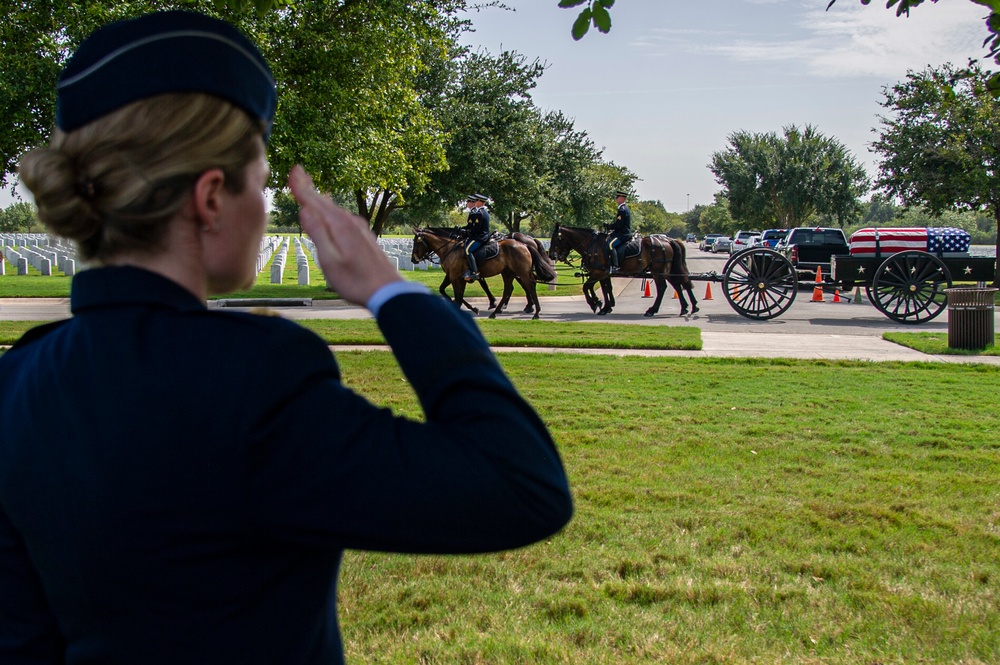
(177, 484)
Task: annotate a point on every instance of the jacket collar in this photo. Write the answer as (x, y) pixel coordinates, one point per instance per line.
(127, 285)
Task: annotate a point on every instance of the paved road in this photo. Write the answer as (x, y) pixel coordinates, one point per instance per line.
(846, 330)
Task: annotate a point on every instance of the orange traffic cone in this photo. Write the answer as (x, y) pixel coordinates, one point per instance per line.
(818, 290)
(646, 291)
(708, 291)
(676, 295)
(836, 295)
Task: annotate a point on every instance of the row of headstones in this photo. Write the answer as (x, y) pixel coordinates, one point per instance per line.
(277, 247)
(43, 252)
(40, 251)
(400, 251)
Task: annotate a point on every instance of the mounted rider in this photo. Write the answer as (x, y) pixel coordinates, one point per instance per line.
(477, 232)
(619, 232)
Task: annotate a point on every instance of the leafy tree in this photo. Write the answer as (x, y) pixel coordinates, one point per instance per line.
(692, 219)
(18, 218)
(785, 180)
(940, 148)
(595, 12)
(346, 72)
(879, 211)
(716, 217)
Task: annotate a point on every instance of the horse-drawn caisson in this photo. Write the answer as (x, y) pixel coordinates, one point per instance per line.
(905, 272)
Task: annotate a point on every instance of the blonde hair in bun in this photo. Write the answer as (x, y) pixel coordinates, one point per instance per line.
(113, 185)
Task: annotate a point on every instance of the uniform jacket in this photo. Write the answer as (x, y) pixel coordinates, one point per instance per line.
(478, 226)
(177, 484)
(622, 226)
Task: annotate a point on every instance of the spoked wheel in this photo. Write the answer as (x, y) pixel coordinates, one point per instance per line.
(759, 283)
(909, 287)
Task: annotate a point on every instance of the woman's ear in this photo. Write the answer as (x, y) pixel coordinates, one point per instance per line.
(207, 198)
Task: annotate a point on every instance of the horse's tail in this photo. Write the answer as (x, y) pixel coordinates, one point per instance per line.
(540, 264)
(531, 240)
(679, 265)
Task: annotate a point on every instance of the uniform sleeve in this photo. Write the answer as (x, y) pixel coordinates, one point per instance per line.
(480, 474)
(28, 631)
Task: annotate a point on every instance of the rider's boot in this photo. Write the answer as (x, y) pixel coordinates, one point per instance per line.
(613, 260)
(472, 274)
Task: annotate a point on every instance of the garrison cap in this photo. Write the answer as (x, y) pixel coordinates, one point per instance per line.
(159, 53)
(621, 193)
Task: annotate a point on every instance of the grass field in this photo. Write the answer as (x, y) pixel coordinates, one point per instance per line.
(727, 512)
(499, 333)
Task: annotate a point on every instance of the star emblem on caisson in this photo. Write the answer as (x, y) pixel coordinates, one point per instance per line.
(861, 270)
(968, 270)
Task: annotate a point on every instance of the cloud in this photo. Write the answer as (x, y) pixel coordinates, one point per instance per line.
(872, 41)
(849, 40)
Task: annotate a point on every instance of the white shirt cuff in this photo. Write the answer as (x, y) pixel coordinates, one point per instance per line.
(390, 291)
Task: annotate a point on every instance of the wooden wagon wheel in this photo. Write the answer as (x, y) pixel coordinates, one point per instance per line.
(909, 287)
(759, 283)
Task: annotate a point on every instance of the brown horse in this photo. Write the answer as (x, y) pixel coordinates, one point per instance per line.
(421, 254)
(660, 258)
(515, 261)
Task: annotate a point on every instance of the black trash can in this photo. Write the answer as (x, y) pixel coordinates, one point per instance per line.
(970, 317)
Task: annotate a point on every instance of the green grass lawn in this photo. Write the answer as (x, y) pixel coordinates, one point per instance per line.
(499, 333)
(936, 343)
(728, 511)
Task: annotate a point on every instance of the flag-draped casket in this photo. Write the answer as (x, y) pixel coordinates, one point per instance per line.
(885, 241)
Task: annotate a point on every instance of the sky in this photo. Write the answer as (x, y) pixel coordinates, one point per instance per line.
(674, 79)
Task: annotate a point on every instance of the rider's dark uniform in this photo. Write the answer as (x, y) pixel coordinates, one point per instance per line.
(477, 232)
(619, 233)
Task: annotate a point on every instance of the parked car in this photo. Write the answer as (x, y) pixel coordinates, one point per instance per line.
(692, 237)
(706, 242)
(741, 239)
(750, 241)
(771, 237)
(722, 244)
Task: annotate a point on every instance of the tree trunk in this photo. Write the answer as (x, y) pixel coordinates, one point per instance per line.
(382, 205)
(385, 208)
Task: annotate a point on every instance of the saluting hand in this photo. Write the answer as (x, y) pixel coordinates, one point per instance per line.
(353, 263)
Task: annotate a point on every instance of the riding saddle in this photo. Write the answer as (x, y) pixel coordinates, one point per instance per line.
(486, 251)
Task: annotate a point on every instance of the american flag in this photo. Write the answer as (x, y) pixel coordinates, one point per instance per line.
(947, 239)
(865, 242)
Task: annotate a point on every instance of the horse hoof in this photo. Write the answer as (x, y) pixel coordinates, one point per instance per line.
(649, 313)
(602, 312)
(493, 315)
(694, 310)
(684, 312)
(535, 317)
